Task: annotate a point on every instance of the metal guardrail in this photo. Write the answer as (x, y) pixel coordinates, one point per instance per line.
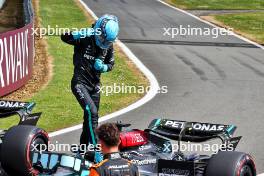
(17, 46)
(28, 11)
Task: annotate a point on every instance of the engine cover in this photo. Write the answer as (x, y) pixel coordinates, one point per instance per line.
(132, 138)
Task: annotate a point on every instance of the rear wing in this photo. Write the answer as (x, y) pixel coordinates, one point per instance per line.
(191, 131)
(23, 109)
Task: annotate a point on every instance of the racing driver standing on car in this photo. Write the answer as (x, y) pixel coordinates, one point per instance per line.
(93, 55)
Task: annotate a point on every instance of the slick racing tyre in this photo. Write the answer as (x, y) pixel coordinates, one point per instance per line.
(231, 164)
(18, 144)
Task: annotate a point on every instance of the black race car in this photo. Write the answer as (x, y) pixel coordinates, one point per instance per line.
(152, 150)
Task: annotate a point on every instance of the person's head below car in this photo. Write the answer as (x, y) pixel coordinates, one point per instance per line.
(113, 164)
(109, 137)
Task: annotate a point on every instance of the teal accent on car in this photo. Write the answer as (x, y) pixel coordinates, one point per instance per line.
(157, 123)
(230, 129)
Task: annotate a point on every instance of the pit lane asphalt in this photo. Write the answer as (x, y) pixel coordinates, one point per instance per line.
(217, 80)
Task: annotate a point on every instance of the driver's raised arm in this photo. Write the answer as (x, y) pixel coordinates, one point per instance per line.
(75, 37)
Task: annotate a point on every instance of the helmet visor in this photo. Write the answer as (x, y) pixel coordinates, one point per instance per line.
(102, 41)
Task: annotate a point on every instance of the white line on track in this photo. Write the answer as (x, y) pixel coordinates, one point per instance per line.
(211, 24)
(154, 85)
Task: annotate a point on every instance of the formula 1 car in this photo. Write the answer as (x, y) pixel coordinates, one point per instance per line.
(150, 149)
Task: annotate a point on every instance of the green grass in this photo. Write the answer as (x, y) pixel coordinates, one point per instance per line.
(218, 4)
(60, 108)
(249, 24)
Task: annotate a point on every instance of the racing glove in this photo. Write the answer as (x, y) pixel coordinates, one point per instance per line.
(82, 33)
(100, 66)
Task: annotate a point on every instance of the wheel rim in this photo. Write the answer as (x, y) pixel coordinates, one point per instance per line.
(38, 140)
(246, 171)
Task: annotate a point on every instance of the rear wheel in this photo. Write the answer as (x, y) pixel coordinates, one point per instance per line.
(231, 164)
(18, 144)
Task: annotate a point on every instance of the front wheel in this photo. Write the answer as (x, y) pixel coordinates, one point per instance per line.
(230, 164)
(17, 147)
